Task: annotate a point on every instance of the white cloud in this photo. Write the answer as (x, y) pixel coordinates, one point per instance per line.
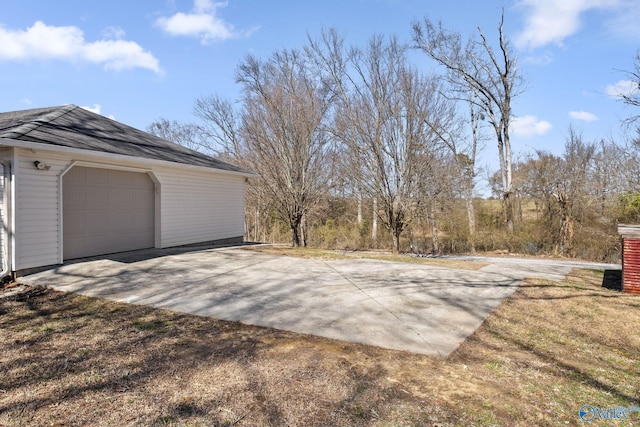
(625, 23)
(541, 60)
(26, 101)
(583, 115)
(552, 21)
(42, 41)
(529, 126)
(202, 23)
(120, 55)
(97, 109)
(113, 33)
(622, 87)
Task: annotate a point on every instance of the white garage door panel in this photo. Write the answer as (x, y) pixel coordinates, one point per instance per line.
(106, 211)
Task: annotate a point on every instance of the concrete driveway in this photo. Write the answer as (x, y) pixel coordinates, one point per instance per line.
(417, 308)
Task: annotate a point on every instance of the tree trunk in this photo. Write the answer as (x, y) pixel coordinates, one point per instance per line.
(295, 238)
(256, 225)
(508, 208)
(471, 218)
(374, 224)
(296, 232)
(566, 235)
(304, 230)
(565, 245)
(359, 210)
(265, 228)
(395, 237)
(435, 242)
(519, 201)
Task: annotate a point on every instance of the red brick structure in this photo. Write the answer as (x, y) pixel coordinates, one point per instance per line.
(630, 257)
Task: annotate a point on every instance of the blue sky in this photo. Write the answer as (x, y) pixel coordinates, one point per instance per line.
(137, 61)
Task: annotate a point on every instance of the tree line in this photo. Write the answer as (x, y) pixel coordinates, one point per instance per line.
(349, 141)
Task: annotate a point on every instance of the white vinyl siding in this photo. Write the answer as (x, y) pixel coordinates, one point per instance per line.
(195, 205)
(7, 155)
(3, 219)
(200, 207)
(37, 219)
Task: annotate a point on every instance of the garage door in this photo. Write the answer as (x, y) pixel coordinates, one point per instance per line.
(106, 211)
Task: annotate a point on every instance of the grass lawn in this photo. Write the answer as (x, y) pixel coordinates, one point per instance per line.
(546, 351)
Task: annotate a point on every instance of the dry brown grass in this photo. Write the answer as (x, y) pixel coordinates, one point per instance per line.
(288, 250)
(546, 351)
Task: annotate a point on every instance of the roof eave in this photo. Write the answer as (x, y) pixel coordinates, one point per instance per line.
(8, 142)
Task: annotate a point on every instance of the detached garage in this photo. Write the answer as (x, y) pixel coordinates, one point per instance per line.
(76, 184)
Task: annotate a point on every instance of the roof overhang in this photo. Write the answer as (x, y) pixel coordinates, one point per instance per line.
(8, 142)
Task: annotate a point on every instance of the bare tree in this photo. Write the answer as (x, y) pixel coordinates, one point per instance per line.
(276, 131)
(629, 175)
(565, 187)
(631, 166)
(221, 126)
(448, 129)
(385, 117)
(186, 134)
(285, 104)
(608, 175)
(439, 181)
(633, 98)
(492, 77)
(571, 189)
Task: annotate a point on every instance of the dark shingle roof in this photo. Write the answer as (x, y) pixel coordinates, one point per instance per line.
(74, 127)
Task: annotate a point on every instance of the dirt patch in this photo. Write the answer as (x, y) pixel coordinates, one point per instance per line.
(545, 352)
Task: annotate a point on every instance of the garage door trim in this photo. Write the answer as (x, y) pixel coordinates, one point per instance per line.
(79, 163)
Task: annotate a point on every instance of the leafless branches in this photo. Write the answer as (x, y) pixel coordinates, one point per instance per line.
(489, 76)
(285, 105)
(186, 134)
(633, 98)
(388, 118)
